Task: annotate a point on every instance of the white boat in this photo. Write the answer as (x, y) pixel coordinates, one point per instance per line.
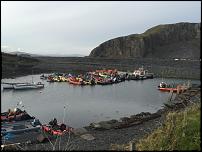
(28, 86)
(8, 86)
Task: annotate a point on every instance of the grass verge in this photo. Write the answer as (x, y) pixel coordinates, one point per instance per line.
(181, 131)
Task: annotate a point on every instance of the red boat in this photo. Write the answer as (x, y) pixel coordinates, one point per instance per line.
(58, 130)
(76, 81)
(174, 88)
(15, 116)
(168, 89)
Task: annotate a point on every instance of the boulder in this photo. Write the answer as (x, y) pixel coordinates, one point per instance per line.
(79, 131)
(87, 137)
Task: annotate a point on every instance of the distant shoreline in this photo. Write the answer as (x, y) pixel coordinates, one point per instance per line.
(15, 66)
(17, 76)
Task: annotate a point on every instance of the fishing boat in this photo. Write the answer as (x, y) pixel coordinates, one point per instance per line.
(171, 88)
(140, 73)
(26, 86)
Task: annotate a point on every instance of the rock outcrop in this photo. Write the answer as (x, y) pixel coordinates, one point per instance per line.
(181, 40)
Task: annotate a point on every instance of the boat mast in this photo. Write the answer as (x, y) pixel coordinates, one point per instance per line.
(63, 115)
(32, 76)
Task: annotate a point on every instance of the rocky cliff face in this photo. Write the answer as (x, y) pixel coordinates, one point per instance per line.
(181, 40)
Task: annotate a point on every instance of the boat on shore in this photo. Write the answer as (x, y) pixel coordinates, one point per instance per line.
(20, 127)
(17, 121)
(60, 130)
(56, 129)
(15, 115)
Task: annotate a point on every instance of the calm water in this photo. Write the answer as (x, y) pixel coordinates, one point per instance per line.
(86, 104)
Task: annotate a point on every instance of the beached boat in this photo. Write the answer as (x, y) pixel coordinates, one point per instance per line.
(16, 115)
(57, 130)
(28, 86)
(20, 126)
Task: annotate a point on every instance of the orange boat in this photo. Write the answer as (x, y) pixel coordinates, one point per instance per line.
(75, 81)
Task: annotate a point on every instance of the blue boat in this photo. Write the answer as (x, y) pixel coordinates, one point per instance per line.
(19, 127)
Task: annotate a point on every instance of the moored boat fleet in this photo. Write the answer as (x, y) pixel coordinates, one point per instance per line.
(100, 77)
(97, 77)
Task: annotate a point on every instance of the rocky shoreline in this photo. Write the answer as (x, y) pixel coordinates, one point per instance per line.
(102, 136)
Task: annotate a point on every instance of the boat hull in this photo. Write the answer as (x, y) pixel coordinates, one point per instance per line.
(19, 127)
(168, 89)
(58, 132)
(28, 86)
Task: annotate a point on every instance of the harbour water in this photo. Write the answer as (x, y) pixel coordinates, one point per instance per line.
(81, 105)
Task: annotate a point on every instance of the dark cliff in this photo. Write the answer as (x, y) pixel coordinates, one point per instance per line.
(181, 40)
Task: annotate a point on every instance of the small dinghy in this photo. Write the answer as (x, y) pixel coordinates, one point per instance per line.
(56, 129)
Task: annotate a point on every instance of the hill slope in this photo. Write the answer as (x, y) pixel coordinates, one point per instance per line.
(181, 40)
(13, 65)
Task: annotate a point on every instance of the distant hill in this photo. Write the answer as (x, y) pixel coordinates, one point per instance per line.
(13, 65)
(180, 40)
(64, 55)
(24, 54)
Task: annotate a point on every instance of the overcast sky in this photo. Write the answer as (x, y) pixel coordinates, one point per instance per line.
(59, 27)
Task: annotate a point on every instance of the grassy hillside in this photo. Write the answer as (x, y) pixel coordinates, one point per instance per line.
(181, 131)
(13, 65)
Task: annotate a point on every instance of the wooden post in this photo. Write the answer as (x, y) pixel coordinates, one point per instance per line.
(178, 89)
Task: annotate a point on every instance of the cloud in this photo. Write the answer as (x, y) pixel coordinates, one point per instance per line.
(81, 26)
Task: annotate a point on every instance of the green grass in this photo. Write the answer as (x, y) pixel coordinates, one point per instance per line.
(181, 131)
